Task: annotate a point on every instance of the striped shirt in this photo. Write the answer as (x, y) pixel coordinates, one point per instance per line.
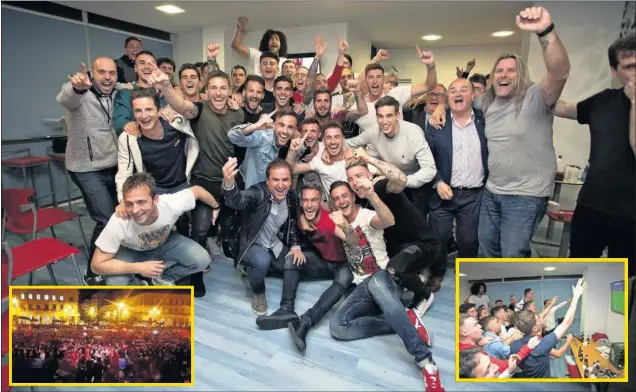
(468, 168)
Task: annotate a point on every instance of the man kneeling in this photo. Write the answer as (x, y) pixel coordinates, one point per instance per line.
(146, 245)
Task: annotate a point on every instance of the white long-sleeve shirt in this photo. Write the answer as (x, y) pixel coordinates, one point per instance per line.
(550, 319)
(408, 151)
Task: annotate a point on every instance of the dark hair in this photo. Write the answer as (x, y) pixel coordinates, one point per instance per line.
(277, 164)
(526, 291)
(474, 289)
(526, 305)
(314, 186)
(388, 100)
(147, 53)
(468, 361)
(269, 55)
(129, 39)
(487, 77)
(252, 78)
(332, 124)
(350, 59)
(145, 93)
(464, 308)
(289, 61)
(496, 309)
(619, 47)
(282, 112)
(307, 121)
(322, 91)
(485, 320)
(478, 78)
(138, 180)
(339, 183)
(191, 66)
(217, 74)
(498, 301)
(263, 46)
(284, 79)
(234, 68)
(546, 302)
(167, 60)
(524, 320)
(371, 67)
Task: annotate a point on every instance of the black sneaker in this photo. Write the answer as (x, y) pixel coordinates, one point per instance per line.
(96, 280)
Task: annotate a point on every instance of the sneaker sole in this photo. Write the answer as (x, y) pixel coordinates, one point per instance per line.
(270, 323)
(256, 312)
(300, 344)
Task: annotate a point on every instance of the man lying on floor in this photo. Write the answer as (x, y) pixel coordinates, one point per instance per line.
(146, 245)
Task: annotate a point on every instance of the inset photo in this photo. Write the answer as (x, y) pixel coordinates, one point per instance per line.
(540, 320)
(107, 336)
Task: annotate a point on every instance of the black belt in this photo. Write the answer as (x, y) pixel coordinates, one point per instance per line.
(464, 188)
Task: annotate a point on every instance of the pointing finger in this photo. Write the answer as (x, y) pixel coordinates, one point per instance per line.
(273, 112)
(83, 68)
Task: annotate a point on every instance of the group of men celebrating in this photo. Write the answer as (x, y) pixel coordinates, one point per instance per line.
(306, 174)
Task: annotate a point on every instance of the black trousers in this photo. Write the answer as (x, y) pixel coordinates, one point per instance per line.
(592, 231)
(409, 260)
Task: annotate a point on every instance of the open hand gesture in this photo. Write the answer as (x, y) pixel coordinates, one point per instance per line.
(577, 291)
(534, 19)
(80, 80)
(320, 46)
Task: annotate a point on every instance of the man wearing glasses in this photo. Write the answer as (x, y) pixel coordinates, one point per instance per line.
(419, 110)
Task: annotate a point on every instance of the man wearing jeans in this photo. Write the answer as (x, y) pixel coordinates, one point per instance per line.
(267, 209)
(91, 153)
(374, 307)
(521, 161)
(146, 244)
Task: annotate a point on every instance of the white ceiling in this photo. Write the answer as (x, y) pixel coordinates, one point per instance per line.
(389, 24)
(490, 270)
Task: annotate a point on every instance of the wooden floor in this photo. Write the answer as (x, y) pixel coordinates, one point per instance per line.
(231, 353)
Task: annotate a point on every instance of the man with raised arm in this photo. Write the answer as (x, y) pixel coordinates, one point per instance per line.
(273, 41)
(521, 160)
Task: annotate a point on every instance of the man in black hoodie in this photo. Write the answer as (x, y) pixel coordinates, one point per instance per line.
(126, 63)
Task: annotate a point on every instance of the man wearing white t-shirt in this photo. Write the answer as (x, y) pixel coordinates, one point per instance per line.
(146, 245)
(374, 307)
(272, 41)
(374, 81)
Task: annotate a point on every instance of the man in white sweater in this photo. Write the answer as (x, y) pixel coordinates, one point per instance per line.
(402, 144)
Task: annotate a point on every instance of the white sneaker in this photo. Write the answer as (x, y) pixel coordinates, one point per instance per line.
(161, 281)
(421, 305)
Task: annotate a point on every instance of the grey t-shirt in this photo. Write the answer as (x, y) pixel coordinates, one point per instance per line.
(521, 157)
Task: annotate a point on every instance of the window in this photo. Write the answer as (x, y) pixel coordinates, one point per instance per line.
(61, 298)
(53, 297)
(46, 307)
(54, 307)
(46, 297)
(30, 296)
(71, 299)
(61, 306)
(21, 295)
(37, 296)
(37, 307)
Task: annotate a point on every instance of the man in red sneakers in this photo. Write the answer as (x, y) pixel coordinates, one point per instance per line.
(374, 307)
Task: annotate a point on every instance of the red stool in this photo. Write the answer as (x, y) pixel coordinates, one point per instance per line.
(26, 164)
(564, 216)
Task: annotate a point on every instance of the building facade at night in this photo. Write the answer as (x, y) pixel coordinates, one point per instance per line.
(45, 306)
(151, 306)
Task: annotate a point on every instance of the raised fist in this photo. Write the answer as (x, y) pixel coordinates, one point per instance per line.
(382, 55)
(213, 50)
(339, 220)
(242, 23)
(534, 19)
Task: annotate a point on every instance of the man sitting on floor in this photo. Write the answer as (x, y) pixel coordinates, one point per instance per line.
(146, 245)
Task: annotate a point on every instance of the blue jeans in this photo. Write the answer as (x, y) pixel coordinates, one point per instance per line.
(259, 260)
(507, 223)
(374, 308)
(100, 195)
(181, 256)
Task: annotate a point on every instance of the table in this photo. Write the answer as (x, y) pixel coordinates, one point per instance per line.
(556, 195)
(593, 355)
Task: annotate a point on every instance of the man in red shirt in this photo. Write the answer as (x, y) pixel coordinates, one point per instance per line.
(325, 232)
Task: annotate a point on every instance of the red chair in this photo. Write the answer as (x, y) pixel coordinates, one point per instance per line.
(564, 216)
(5, 378)
(26, 163)
(39, 253)
(19, 220)
(5, 332)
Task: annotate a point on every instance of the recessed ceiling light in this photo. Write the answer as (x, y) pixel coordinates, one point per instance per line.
(460, 274)
(432, 37)
(500, 34)
(549, 268)
(170, 9)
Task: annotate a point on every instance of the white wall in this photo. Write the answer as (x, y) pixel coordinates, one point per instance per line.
(359, 47)
(187, 48)
(302, 40)
(446, 59)
(586, 29)
(464, 289)
(596, 313)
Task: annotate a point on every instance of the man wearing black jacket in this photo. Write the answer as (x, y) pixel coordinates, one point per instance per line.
(267, 209)
(126, 63)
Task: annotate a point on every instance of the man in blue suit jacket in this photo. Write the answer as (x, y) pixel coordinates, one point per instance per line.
(461, 158)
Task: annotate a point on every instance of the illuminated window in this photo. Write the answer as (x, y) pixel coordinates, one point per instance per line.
(46, 297)
(37, 296)
(53, 298)
(62, 298)
(22, 296)
(30, 296)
